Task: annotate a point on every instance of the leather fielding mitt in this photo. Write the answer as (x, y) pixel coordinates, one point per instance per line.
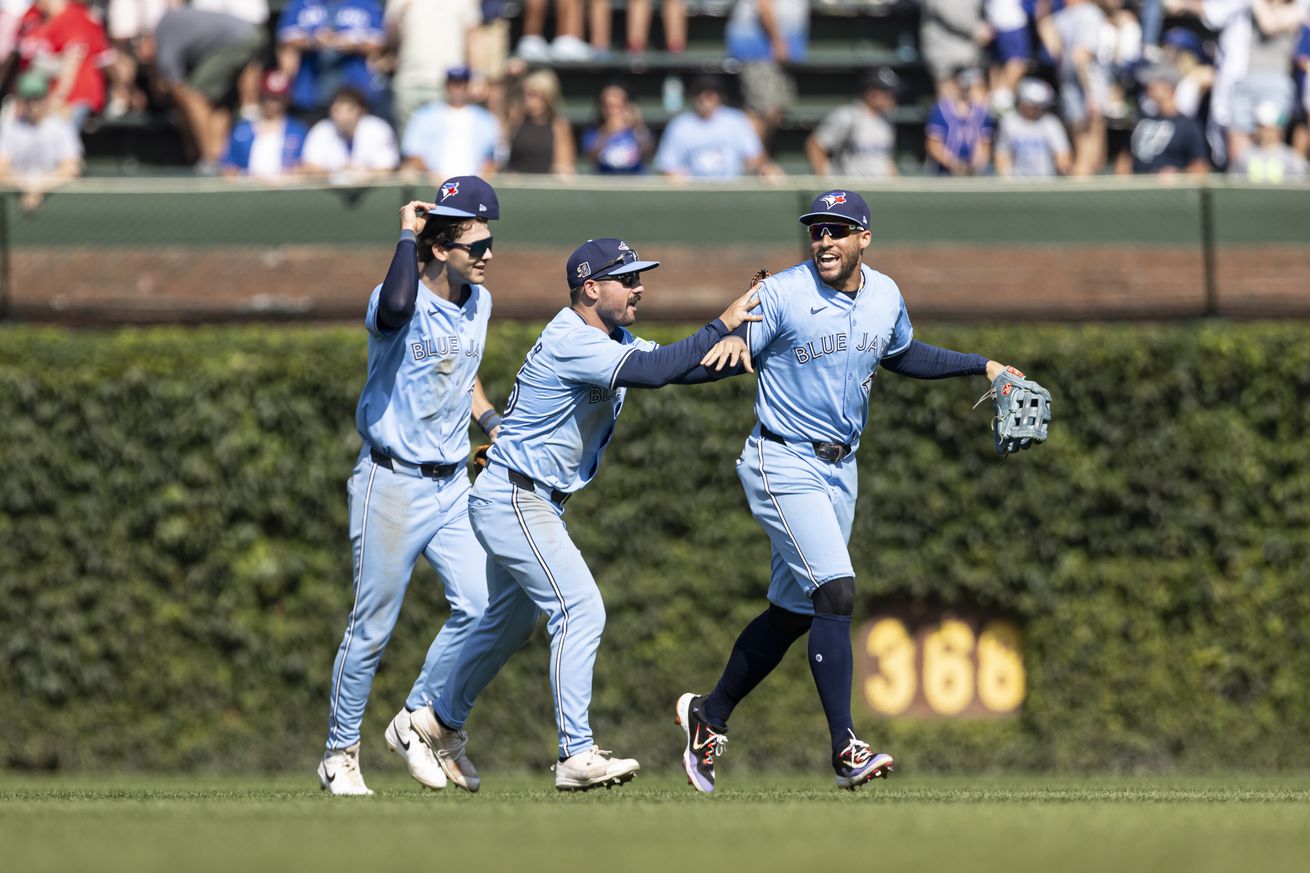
(479, 462)
(1022, 411)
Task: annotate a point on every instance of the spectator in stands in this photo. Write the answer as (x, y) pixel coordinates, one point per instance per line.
(1031, 143)
(1072, 36)
(489, 57)
(199, 56)
(619, 143)
(268, 147)
(70, 47)
(859, 139)
(255, 13)
(452, 138)
(1184, 51)
(1269, 159)
(428, 38)
(763, 35)
(324, 44)
(1301, 111)
(674, 15)
(350, 145)
(950, 32)
(1121, 48)
(39, 149)
(540, 137)
(1007, 23)
(959, 130)
(1276, 24)
(568, 44)
(1165, 142)
(131, 25)
(711, 140)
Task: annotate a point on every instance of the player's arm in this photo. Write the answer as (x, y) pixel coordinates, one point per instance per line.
(484, 412)
(730, 356)
(922, 361)
(662, 366)
(400, 287)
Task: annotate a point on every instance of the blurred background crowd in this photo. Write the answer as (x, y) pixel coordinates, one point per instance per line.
(352, 89)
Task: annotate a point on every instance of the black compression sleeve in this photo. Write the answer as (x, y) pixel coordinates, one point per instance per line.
(699, 375)
(657, 368)
(400, 287)
(922, 361)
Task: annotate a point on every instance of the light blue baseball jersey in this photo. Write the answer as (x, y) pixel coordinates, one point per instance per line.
(816, 351)
(561, 413)
(419, 391)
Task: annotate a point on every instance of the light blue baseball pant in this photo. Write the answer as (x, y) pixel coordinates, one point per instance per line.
(534, 568)
(806, 506)
(395, 516)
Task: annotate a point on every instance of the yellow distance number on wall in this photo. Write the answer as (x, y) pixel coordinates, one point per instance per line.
(957, 667)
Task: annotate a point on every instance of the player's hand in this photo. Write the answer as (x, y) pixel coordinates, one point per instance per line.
(728, 352)
(409, 217)
(739, 311)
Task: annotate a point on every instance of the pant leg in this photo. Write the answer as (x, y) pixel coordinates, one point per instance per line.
(526, 536)
(791, 496)
(461, 564)
(391, 519)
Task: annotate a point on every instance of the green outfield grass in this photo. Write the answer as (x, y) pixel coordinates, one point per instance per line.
(521, 823)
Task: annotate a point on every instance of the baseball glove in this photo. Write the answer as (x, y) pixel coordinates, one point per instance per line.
(760, 275)
(1023, 411)
(479, 462)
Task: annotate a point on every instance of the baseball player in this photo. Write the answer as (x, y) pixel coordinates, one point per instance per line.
(427, 326)
(559, 419)
(826, 327)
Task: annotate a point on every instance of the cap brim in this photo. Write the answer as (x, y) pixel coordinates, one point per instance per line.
(624, 269)
(811, 217)
(452, 212)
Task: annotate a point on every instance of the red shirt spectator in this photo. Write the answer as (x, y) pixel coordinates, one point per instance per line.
(67, 32)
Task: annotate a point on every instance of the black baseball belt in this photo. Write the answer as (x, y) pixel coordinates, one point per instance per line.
(830, 452)
(426, 471)
(527, 484)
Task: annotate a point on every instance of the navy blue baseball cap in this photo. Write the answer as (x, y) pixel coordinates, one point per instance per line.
(604, 258)
(840, 205)
(466, 197)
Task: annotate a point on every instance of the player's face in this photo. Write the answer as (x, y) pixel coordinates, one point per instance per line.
(472, 265)
(618, 298)
(838, 259)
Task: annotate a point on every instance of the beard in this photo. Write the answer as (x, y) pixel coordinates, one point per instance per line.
(847, 264)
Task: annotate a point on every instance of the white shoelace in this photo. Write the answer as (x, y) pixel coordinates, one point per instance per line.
(857, 751)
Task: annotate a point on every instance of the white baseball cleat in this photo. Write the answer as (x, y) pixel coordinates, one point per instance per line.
(338, 772)
(593, 768)
(447, 746)
(419, 758)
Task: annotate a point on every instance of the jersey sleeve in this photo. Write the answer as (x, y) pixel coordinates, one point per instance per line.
(670, 157)
(902, 331)
(835, 129)
(589, 357)
(371, 315)
(1055, 135)
(936, 126)
(760, 334)
(747, 139)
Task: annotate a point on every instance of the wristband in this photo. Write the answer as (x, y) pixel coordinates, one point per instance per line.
(489, 421)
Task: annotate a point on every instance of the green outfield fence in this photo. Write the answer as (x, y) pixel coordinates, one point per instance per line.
(140, 251)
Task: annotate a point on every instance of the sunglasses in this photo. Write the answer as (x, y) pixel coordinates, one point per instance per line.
(836, 231)
(627, 280)
(475, 249)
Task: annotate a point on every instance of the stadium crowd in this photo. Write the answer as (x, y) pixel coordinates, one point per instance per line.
(353, 89)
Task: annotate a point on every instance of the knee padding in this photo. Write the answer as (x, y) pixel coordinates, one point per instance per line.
(791, 625)
(835, 597)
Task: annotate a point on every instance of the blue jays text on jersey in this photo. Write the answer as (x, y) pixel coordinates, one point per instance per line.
(561, 413)
(817, 350)
(418, 394)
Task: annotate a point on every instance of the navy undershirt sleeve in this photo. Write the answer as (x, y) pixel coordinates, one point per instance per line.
(664, 365)
(699, 375)
(922, 361)
(400, 287)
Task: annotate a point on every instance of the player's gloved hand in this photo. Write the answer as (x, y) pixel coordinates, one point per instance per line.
(739, 311)
(479, 462)
(1022, 411)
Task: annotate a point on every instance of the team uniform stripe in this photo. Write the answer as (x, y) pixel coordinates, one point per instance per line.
(777, 506)
(564, 626)
(354, 609)
(614, 379)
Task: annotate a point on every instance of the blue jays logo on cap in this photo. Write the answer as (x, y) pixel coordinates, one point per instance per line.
(841, 205)
(467, 197)
(602, 259)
